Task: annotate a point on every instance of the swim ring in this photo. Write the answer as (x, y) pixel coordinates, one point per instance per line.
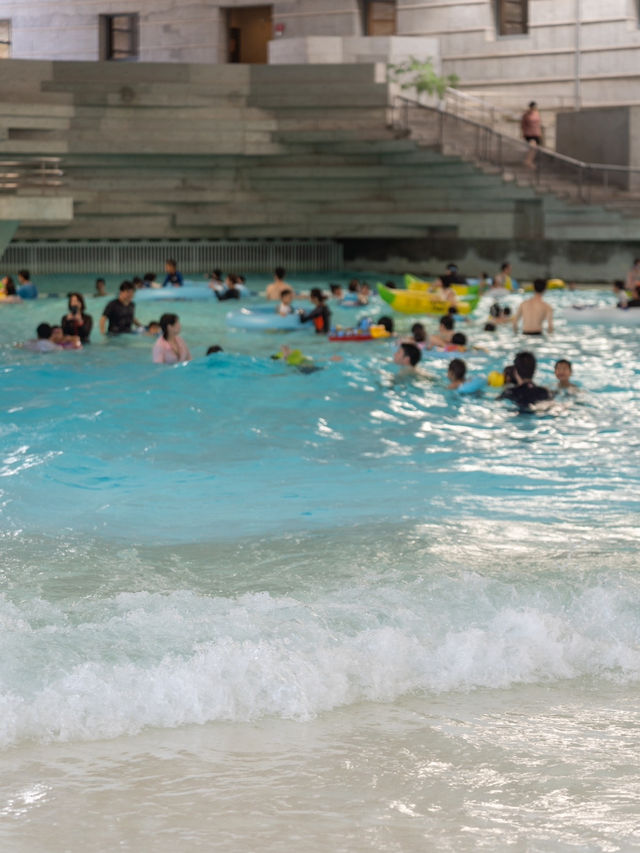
(264, 318)
(593, 315)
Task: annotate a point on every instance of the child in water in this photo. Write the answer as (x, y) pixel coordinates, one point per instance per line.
(458, 342)
(444, 334)
(563, 371)
(456, 374)
(285, 307)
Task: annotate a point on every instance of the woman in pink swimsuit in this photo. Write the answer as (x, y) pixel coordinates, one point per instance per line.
(170, 348)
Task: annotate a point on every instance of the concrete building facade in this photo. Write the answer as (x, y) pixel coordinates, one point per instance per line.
(561, 52)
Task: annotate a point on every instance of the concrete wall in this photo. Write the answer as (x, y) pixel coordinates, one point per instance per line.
(170, 30)
(595, 135)
(599, 262)
(606, 135)
(509, 71)
(348, 49)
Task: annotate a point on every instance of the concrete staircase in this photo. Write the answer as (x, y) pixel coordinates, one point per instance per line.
(583, 197)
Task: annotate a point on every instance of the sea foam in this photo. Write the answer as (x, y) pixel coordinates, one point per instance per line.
(139, 660)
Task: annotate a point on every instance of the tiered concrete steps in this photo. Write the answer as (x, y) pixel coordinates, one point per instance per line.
(172, 151)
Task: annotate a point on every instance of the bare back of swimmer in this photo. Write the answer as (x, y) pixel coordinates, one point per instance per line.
(534, 312)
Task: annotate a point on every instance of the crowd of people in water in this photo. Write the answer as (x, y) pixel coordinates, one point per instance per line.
(533, 317)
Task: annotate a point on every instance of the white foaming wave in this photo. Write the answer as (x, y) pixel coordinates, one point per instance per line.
(166, 661)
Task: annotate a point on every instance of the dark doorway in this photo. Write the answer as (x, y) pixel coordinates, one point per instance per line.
(249, 31)
(380, 17)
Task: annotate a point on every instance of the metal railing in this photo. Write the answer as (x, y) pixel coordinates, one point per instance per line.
(541, 168)
(135, 257)
(27, 172)
(471, 107)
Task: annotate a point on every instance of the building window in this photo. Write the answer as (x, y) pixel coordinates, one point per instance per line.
(5, 39)
(119, 36)
(379, 17)
(513, 17)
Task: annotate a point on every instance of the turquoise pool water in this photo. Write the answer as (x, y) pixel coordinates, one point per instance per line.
(259, 606)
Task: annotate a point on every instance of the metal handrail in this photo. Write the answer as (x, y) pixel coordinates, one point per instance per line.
(19, 172)
(480, 142)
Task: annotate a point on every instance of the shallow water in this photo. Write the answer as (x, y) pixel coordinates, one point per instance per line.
(242, 606)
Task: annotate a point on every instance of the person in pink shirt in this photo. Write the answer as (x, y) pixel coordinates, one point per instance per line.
(170, 348)
(531, 126)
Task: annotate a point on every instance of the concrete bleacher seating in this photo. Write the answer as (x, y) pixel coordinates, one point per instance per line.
(195, 151)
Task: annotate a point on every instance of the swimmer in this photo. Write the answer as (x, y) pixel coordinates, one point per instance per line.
(350, 298)
(59, 338)
(274, 290)
(43, 342)
(120, 312)
(499, 315)
(230, 290)
(285, 307)
(509, 375)
(443, 285)
(525, 393)
(458, 342)
(215, 281)
(320, 314)
(364, 293)
(152, 329)
(444, 334)
(173, 278)
(451, 276)
(26, 288)
(76, 321)
(213, 349)
(418, 336)
(407, 357)
(563, 371)
(295, 358)
(9, 294)
(620, 293)
(149, 280)
(503, 278)
(633, 276)
(534, 312)
(101, 287)
(170, 347)
(634, 302)
(456, 373)
(337, 291)
(386, 323)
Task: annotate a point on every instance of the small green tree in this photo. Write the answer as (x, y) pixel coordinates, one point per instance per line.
(421, 76)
